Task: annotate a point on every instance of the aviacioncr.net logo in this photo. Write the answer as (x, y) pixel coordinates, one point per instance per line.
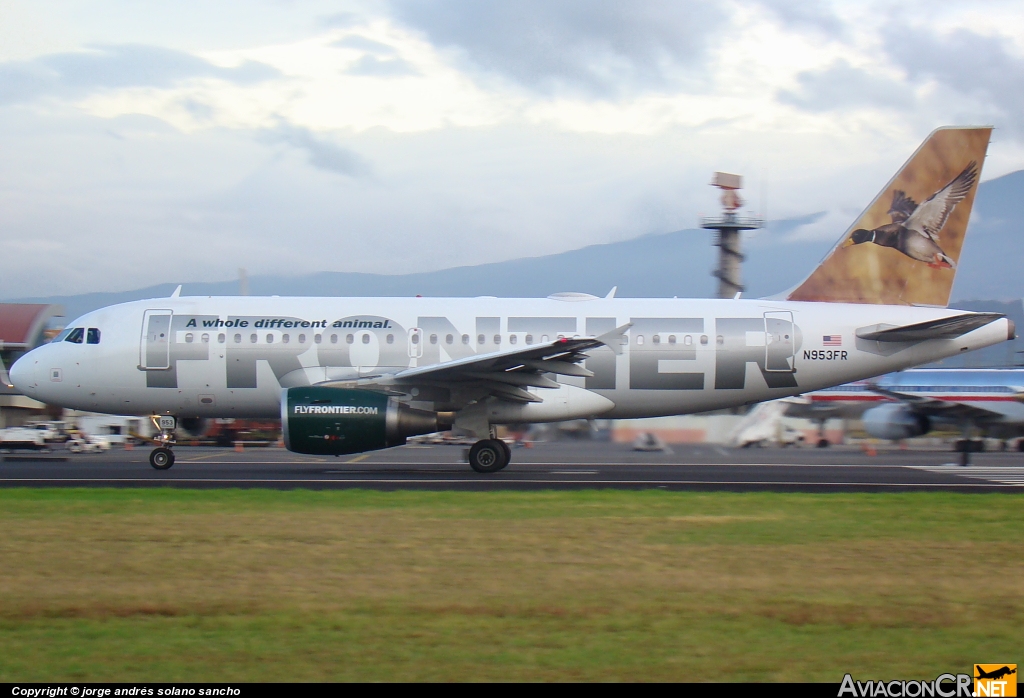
(943, 686)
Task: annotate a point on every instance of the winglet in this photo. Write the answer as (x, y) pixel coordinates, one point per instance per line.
(177, 292)
(611, 294)
(613, 339)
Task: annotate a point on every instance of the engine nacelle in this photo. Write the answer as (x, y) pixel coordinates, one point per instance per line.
(335, 421)
(895, 421)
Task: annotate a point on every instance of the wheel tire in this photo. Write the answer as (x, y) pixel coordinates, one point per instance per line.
(161, 458)
(487, 456)
(823, 443)
(508, 450)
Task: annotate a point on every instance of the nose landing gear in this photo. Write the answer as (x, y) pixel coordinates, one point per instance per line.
(162, 457)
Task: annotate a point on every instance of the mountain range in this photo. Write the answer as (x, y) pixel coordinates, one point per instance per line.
(656, 265)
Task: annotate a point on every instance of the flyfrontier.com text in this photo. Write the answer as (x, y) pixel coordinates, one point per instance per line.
(334, 409)
(944, 686)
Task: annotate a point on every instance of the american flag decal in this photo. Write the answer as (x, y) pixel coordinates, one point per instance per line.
(832, 340)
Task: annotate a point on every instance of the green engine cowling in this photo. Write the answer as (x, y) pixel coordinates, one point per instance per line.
(335, 421)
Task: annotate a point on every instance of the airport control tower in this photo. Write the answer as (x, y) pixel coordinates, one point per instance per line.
(729, 225)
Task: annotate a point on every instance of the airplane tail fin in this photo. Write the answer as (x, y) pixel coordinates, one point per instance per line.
(904, 248)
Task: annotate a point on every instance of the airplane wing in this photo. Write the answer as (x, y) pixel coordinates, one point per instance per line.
(505, 374)
(946, 328)
(934, 407)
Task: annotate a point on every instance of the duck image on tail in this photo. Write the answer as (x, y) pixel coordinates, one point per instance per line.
(914, 248)
(914, 230)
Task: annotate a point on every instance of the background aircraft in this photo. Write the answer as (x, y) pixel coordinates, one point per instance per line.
(914, 402)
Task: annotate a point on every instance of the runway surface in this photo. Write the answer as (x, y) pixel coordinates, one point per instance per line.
(559, 465)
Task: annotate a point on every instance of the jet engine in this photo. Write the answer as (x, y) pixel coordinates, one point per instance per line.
(895, 421)
(335, 421)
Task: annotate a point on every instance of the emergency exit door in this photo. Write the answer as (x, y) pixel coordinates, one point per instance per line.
(779, 342)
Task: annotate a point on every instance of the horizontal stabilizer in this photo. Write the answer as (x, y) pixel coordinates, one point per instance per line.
(945, 328)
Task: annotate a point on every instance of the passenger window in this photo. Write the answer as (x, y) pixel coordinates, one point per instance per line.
(529, 339)
(366, 338)
(671, 339)
(465, 339)
(75, 336)
(480, 339)
(205, 338)
(639, 339)
(253, 338)
(318, 338)
(497, 339)
(433, 339)
(238, 339)
(302, 339)
(719, 340)
(704, 340)
(687, 340)
(415, 337)
(189, 337)
(349, 339)
(391, 339)
(285, 338)
(656, 339)
(334, 339)
(449, 339)
(221, 338)
(94, 336)
(270, 339)
(512, 339)
(543, 339)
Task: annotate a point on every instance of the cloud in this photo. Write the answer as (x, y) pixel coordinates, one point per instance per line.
(806, 14)
(322, 154)
(841, 86)
(361, 43)
(113, 67)
(339, 19)
(600, 47)
(375, 67)
(967, 62)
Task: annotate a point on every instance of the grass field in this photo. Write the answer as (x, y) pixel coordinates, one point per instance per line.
(249, 585)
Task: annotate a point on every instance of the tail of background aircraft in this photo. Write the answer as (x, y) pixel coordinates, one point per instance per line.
(904, 248)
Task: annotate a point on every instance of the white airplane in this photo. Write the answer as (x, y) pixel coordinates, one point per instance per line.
(349, 375)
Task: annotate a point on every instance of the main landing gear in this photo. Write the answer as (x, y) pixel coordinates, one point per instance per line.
(162, 457)
(489, 455)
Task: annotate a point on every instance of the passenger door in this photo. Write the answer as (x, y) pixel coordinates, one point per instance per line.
(155, 352)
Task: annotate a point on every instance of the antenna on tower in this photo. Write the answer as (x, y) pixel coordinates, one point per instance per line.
(729, 225)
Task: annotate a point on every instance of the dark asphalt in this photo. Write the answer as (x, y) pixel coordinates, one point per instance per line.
(560, 465)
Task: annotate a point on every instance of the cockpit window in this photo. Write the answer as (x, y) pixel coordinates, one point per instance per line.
(63, 333)
(93, 336)
(75, 335)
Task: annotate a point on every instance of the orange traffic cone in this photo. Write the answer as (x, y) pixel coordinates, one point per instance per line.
(239, 448)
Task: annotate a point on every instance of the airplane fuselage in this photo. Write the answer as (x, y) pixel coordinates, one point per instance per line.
(231, 356)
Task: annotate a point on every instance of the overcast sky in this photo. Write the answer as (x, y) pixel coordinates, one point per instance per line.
(147, 142)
